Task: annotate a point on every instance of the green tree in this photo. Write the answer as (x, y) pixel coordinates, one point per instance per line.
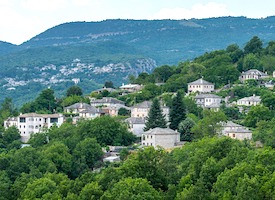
(85, 155)
(255, 45)
(91, 191)
(5, 186)
(264, 132)
(162, 73)
(109, 84)
(132, 189)
(251, 61)
(74, 90)
(177, 111)
(155, 117)
(209, 125)
(45, 101)
(256, 114)
(185, 127)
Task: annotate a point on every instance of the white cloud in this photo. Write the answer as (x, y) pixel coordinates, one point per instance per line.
(197, 11)
(43, 5)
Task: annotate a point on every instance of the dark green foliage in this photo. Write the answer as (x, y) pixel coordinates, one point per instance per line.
(255, 45)
(123, 112)
(185, 127)
(155, 117)
(74, 91)
(177, 111)
(109, 84)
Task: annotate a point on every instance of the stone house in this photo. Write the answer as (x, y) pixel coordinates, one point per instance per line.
(252, 74)
(249, 101)
(131, 87)
(236, 131)
(163, 137)
(200, 86)
(32, 123)
(136, 125)
(142, 110)
(210, 101)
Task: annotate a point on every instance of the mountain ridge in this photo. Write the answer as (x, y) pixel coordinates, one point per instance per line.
(117, 48)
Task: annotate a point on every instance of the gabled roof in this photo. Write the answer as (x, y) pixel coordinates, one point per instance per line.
(144, 104)
(200, 82)
(107, 100)
(91, 110)
(254, 71)
(135, 120)
(41, 115)
(251, 98)
(160, 131)
(78, 105)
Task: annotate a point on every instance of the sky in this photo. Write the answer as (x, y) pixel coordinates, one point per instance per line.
(20, 20)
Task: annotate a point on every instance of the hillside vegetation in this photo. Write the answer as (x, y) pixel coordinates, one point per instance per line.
(111, 50)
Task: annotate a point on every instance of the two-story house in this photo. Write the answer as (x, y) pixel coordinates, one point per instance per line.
(236, 131)
(252, 74)
(249, 101)
(210, 101)
(31, 123)
(163, 137)
(200, 86)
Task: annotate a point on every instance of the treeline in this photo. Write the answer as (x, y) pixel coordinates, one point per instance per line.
(211, 168)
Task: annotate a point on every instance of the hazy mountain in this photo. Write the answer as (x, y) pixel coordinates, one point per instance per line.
(112, 49)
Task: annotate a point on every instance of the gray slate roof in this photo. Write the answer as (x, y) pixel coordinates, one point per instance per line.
(200, 82)
(202, 96)
(108, 100)
(254, 71)
(144, 104)
(160, 131)
(78, 105)
(135, 120)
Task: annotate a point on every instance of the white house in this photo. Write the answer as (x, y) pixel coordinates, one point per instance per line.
(252, 74)
(76, 108)
(200, 86)
(142, 110)
(32, 123)
(105, 101)
(163, 137)
(90, 113)
(249, 101)
(131, 87)
(136, 125)
(236, 131)
(210, 101)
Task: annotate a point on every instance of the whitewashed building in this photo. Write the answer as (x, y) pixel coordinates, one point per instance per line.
(210, 101)
(31, 123)
(163, 137)
(236, 131)
(200, 86)
(252, 74)
(142, 110)
(131, 87)
(136, 125)
(249, 101)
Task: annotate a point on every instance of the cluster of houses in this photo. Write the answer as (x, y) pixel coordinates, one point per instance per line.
(32, 123)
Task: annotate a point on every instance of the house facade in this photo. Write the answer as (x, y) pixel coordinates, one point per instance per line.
(249, 101)
(236, 131)
(105, 102)
(163, 137)
(252, 74)
(200, 86)
(136, 125)
(142, 110)
(131, 87)
(32, 123)
(210, 101)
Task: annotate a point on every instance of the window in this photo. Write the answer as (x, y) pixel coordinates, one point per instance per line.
(151, 137)
(22, 119)
(234, 135)
(54, 120)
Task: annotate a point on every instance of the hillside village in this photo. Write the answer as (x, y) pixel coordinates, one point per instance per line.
(210, 120)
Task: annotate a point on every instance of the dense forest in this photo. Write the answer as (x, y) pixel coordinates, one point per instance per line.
(66, 162)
